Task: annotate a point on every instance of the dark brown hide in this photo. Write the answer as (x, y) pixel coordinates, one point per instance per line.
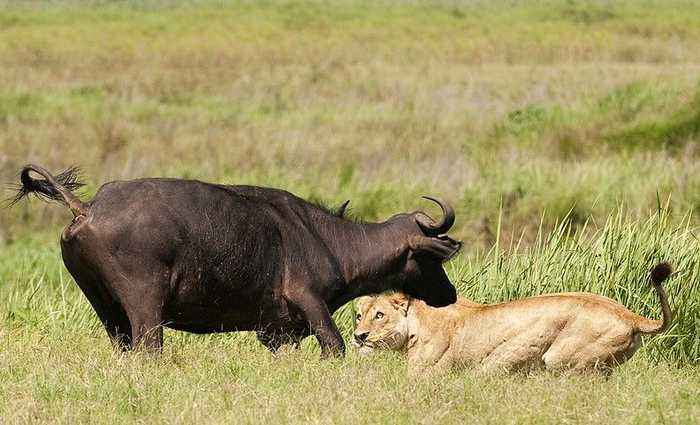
(204, 258)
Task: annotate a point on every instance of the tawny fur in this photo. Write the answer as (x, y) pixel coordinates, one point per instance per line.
(568, 331)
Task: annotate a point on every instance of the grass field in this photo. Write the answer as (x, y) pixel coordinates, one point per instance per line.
(564, 132)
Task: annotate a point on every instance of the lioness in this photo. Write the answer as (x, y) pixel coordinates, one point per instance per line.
(576, 331)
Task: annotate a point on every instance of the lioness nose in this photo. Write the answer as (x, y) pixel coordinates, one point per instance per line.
(361, 337)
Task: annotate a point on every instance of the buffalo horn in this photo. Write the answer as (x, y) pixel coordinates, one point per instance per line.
(430, 226)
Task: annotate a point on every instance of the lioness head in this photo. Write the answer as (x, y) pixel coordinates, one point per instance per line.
(381, 322)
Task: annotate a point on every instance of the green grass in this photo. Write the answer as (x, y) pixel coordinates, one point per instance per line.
(56, 363)
(216, 380)
(564, 132)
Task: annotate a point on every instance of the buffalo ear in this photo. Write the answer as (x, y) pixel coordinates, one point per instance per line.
(443, 247)
(400, 302)
(340, 212)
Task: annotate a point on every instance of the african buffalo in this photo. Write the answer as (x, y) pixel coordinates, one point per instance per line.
(205, 258)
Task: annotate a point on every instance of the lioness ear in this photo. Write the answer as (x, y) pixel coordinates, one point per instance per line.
(443, 247)
(399, 301)
(361, 302)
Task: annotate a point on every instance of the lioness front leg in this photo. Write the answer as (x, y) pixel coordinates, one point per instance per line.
(429, 357)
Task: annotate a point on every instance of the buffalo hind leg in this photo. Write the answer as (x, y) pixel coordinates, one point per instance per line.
(109, 311)
(119, 328)
(320, 323)
(146, 326)
(113, 318)
(143, 303)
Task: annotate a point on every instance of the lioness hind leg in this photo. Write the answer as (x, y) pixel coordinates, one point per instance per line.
(519, 360)
(519, 353)
(562, 354)
(600, 354)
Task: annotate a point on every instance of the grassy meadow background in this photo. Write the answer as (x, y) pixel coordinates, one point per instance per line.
(564, 132)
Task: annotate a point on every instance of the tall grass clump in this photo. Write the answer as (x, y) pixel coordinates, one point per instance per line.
(613, 260)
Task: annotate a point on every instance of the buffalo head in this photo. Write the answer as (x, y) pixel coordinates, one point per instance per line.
(420, 272)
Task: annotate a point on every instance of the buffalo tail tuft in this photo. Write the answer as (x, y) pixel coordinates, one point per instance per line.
(43, 189)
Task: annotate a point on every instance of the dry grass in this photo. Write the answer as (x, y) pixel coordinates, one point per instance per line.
(217, 380)
(487, 105)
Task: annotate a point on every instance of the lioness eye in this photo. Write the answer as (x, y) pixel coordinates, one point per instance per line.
(358, 317)
(379, 315)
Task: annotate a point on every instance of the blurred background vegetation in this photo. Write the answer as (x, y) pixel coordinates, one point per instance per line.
(527, 111)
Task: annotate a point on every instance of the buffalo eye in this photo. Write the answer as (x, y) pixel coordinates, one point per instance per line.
(379, 315)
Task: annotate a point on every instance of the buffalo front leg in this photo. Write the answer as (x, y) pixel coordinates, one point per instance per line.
(320, 323)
